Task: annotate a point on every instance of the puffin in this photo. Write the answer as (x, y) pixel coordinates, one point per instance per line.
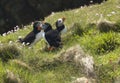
(39, 28)
(53, 36)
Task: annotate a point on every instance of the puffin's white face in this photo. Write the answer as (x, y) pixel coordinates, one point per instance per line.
(60, 22)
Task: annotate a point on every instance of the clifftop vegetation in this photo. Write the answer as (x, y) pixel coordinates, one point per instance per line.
(93, 34)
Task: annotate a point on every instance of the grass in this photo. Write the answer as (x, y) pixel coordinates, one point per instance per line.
(82, 26)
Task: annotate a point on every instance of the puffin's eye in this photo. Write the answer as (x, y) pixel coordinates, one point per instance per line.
(59, 21)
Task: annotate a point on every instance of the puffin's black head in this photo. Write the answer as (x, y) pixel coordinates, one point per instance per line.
(60, 24)
(37, 26)
(47, 27)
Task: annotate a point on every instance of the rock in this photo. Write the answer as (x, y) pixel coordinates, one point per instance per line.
(10, 77)
(80, 58)
(117, 80)
(84, 80)
(73, 54)
(88, 63)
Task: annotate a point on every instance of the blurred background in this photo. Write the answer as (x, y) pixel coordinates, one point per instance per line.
(22, 12)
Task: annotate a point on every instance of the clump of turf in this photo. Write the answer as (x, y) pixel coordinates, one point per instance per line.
(106, 26)
(9, 52)
(77, 29)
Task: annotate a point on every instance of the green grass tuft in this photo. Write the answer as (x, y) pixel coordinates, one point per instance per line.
(9, 52)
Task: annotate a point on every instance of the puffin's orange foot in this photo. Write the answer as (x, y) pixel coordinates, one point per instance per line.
(51, 48)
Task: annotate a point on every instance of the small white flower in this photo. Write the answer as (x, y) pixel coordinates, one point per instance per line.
(73, 77)
(16, 41)
(1, 44)
(97, 14)
(15, 30)
(4, 34)
(11, 31)
(31, 24)
(91, 1)
(76, 11)
(91, 6)
(20, 47)
(113, 12)
(17, 26)
(81, 7)
(19, 37)
(10, 42)
(25, 27)
(30, 47)
(52, 13)
(109, 15)
(118, 7)
(8, 32)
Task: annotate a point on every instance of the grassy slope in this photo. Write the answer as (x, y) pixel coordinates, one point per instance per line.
(90, 41)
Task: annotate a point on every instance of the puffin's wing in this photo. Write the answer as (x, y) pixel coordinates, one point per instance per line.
(57, 41)
(29, 38)
(47, 27)
(53, 38)
(52, 34)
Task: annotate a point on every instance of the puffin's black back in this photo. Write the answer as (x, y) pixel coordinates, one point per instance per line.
(53, 38)
(29, 38)
(47, 27)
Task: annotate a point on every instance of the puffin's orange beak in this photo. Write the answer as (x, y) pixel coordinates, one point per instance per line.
(63, 19)
(39, 28)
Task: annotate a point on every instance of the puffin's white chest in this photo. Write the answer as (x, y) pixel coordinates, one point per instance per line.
(64, 31)
(45, 39)
(38, 37)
